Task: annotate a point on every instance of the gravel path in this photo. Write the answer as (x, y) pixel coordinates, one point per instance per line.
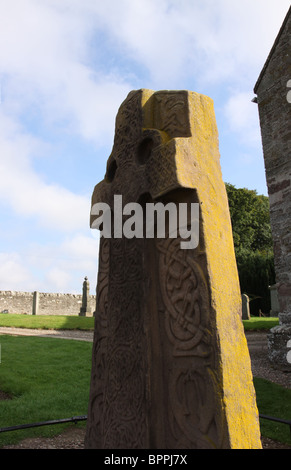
(81, 335)
(261, 367)
(73, 437)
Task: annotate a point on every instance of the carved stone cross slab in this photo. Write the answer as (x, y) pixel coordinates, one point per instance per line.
(170, 364)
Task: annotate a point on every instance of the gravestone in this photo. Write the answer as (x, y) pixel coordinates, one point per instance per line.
(245, 307)
(85, 297)
(35, 303)
(170, 362)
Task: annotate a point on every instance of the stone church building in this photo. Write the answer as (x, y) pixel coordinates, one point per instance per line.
(273, 97)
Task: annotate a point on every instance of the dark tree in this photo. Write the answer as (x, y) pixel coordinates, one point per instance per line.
(253, 245)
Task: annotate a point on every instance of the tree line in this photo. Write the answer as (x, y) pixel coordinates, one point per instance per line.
(253, 244)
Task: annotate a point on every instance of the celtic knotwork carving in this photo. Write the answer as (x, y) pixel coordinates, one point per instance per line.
(125, 318)
(125, 383)
(160, 171)
(171, 113)
(186, 300)
(125, 271)
(120, 434)
(99, 353)
(128, 130)
(195, 411)
(125, 387)
(123, 412)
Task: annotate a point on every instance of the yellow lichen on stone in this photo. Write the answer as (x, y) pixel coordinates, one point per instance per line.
(187, 313)
(197, 163)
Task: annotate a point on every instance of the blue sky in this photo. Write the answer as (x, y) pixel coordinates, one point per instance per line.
(65, 68)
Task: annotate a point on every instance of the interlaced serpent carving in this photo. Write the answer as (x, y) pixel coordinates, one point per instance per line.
(185, 295)
(194, 413)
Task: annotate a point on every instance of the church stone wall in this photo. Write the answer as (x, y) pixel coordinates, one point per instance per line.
(48, 303)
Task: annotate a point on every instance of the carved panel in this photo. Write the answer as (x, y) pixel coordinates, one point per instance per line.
(185, 297)
(161, 170)
(172, 114)
(128, 130)
(99, 353)
(194, 411)
(125, 382)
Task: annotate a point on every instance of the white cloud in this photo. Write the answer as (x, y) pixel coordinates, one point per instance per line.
(44, 51)
(81, 246)
(26, 193)
(210, 40)
(52, 266)
(52, 53)
(71, 63)
(66, 263)
(58, 278)
(14, 274)
(243, 118)
(43, 55)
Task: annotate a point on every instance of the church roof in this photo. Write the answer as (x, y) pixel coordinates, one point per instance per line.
(272, 50)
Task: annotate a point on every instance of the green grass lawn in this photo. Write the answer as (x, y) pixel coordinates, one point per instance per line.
(49, 322)
(273, 400)
(48, 378)
(260, 323)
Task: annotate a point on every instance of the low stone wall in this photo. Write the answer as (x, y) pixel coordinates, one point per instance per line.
(48, 303)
